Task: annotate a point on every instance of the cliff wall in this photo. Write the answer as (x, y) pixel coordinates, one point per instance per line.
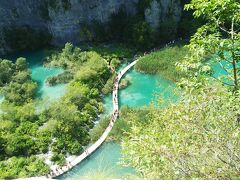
(63, 18)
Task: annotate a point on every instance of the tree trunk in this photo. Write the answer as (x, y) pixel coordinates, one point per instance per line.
(234, 58)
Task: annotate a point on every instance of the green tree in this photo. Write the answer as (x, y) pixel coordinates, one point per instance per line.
(21, 64)
(71, 128)
(197, 138)
(6, 71)
(19, 144)
(219, 36)
(22, 167)
(20, 93)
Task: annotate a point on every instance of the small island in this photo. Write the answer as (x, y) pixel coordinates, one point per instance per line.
(138, 89)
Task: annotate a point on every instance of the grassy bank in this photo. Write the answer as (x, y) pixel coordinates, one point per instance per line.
(163, 62)
(121, 126)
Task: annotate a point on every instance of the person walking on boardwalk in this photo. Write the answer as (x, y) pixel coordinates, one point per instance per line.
(86, 151)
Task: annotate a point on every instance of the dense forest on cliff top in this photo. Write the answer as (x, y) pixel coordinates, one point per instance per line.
(196, 137)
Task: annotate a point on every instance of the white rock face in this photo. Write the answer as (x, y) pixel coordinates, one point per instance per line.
(65, 25)
(19, 13)
(152, 14)
(163, 10)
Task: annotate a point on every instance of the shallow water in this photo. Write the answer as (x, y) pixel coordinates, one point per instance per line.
(104, 162)
(223, 69)
(142, 91)
(40, 74)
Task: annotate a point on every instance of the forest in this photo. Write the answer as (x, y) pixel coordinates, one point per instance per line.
(195, 136)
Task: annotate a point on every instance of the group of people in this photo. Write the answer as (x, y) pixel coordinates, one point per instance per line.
(54, 173)
(115, 114)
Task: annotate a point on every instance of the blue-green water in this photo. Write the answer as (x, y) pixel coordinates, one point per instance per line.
(142, 91)
(1, 99)
(103, 164)
(223, 69)
(40, 74)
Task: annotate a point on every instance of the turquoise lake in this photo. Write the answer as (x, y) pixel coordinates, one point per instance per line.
(39, 73)
(103, 164)
(142, 91)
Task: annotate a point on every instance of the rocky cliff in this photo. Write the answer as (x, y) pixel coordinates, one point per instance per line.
(63, 18)
(163, 10)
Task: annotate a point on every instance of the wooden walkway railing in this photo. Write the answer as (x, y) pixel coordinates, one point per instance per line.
(59, 171)
(98, 143)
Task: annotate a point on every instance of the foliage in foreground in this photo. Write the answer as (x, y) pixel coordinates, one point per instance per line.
(13, 167)
(16, 84)
(64, 126)
(163, 62)
(99, 129)
(219, 36)
(199, 137)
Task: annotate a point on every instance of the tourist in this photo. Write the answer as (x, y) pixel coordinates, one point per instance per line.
(69, 163)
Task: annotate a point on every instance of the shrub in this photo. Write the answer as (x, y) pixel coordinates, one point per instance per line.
(58, 158)
(163, 62)
(197, 138)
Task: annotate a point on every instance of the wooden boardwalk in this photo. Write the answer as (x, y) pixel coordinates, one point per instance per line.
(98, 143)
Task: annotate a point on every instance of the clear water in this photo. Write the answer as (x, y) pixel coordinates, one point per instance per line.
(140, 92)
(40, 74)
(218, 70)
(1, 99)
(222, 69)
(143, 90)
(103, 163)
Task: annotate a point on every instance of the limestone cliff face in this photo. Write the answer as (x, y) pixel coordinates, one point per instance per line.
(161, 11)
(19, 13)
(65, 25)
